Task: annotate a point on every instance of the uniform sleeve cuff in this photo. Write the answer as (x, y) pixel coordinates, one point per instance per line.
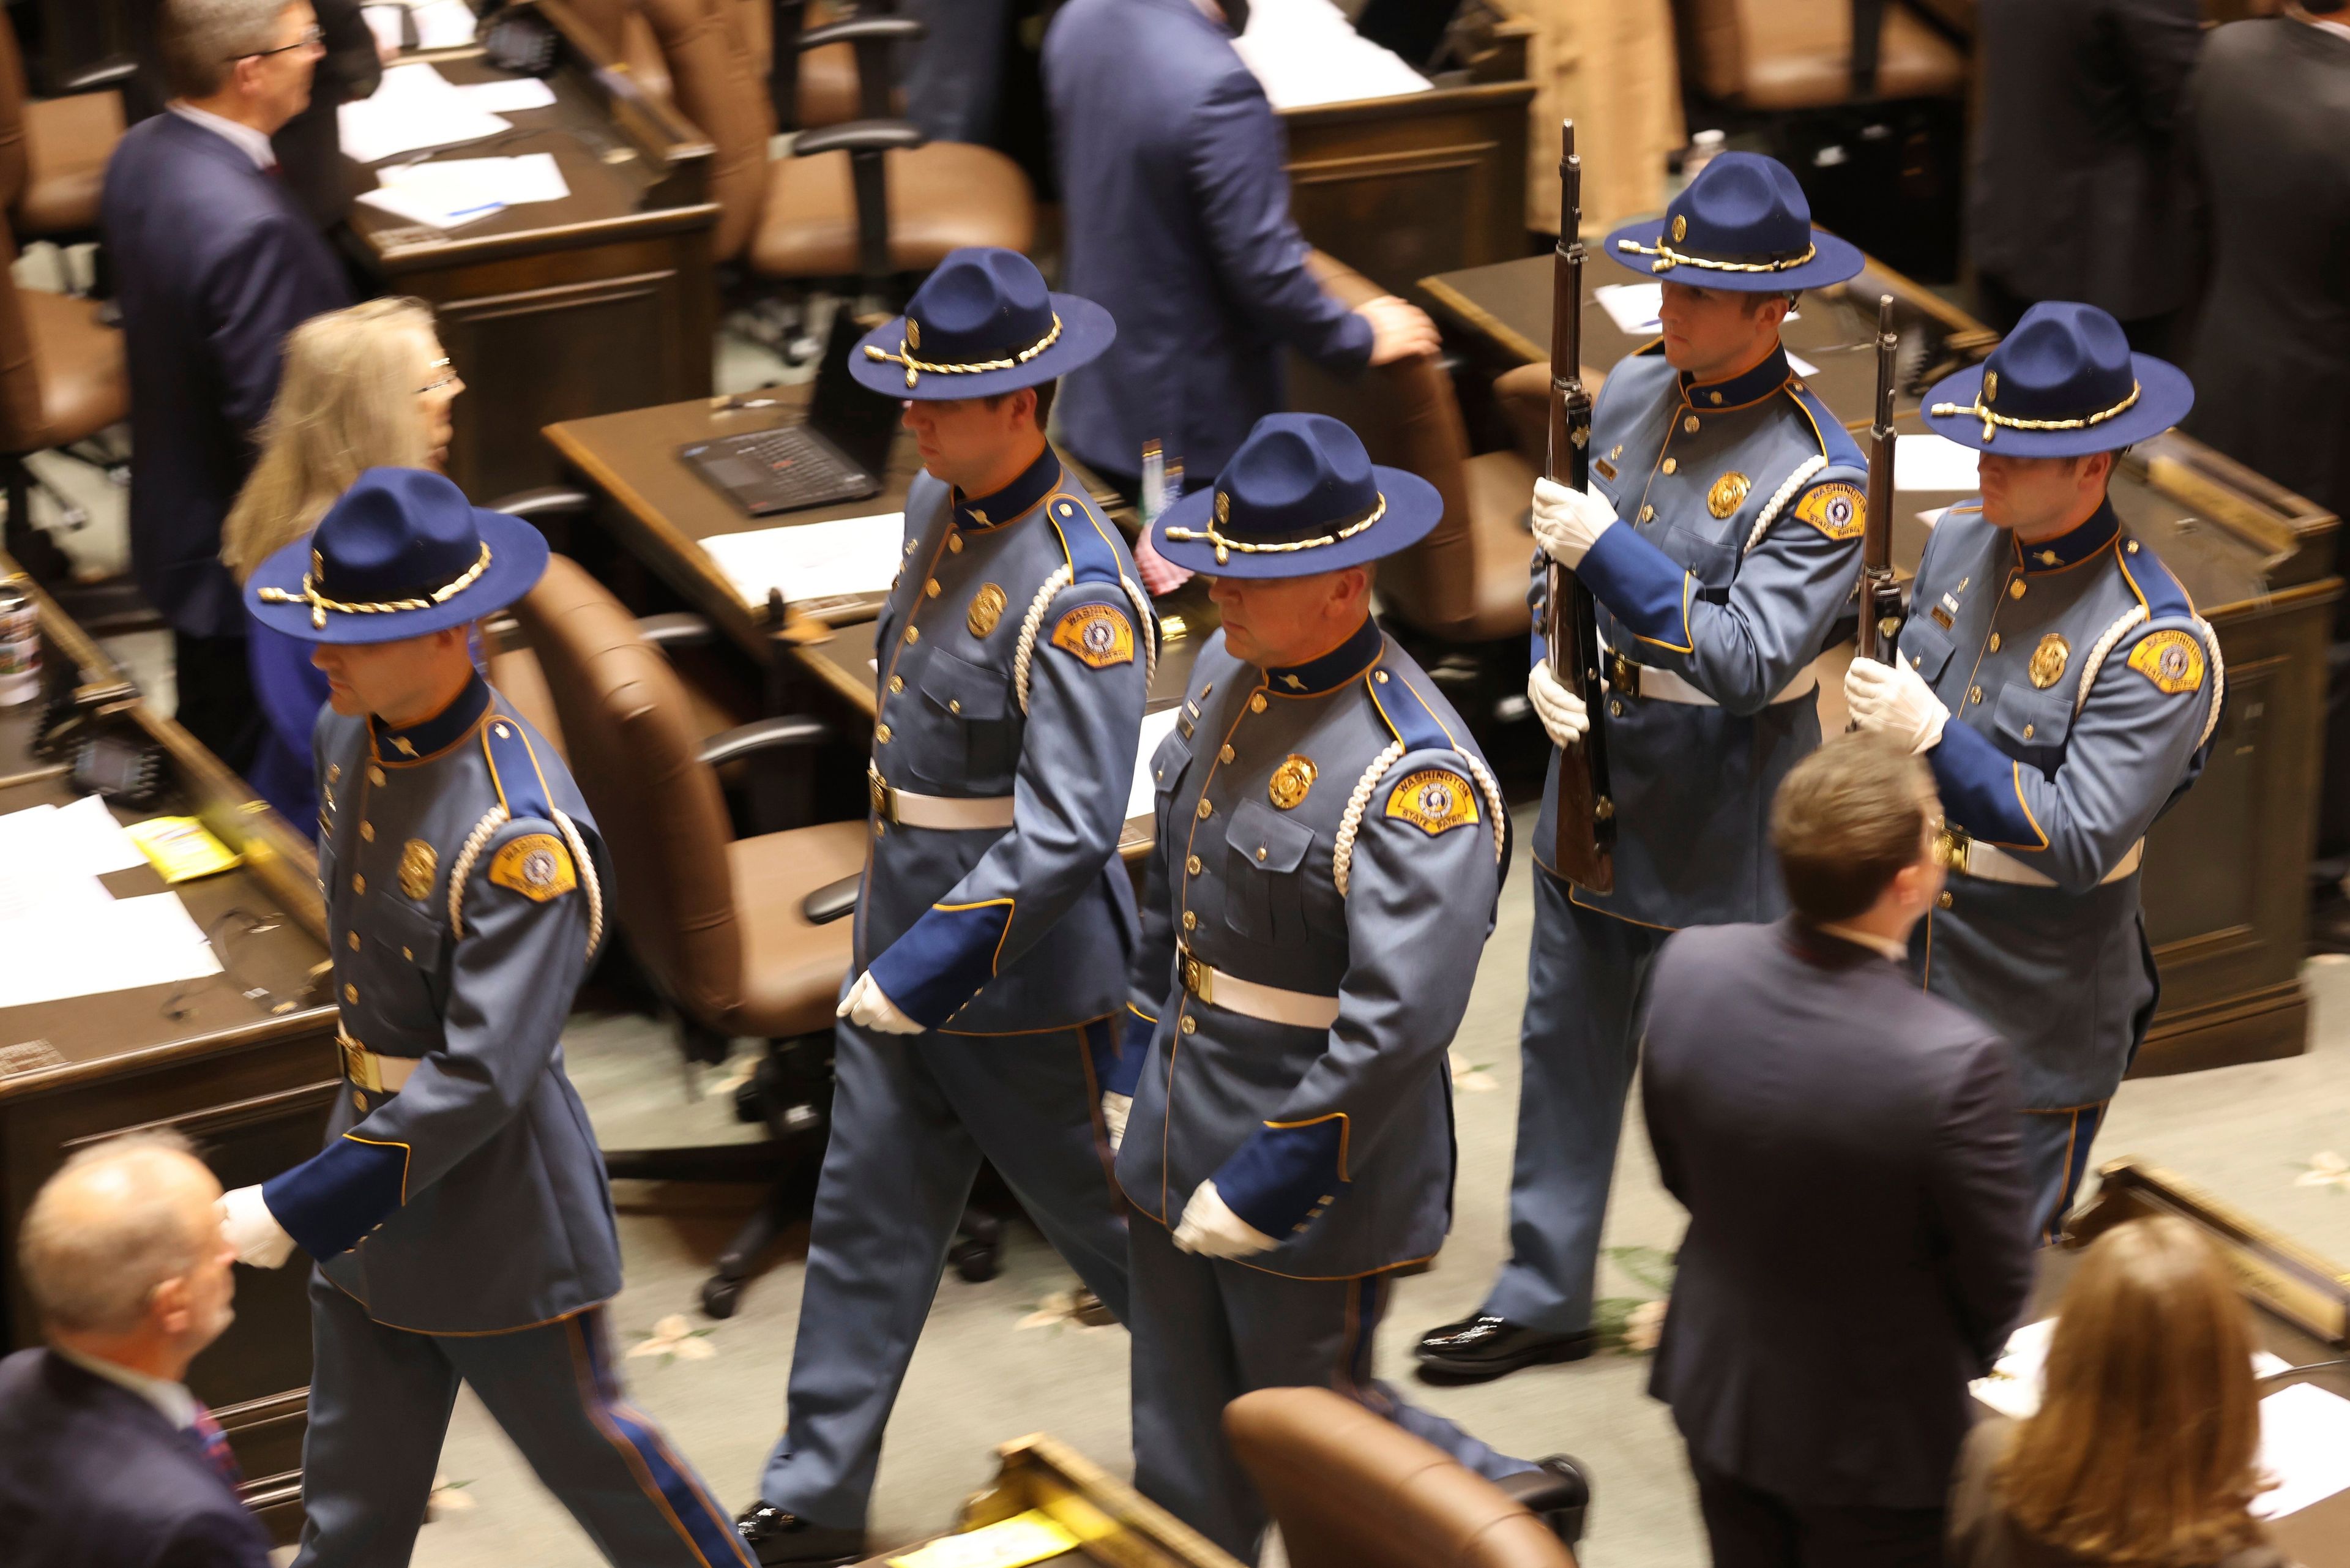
(1284, 1175)
(1118, 1059)
(1980, 789)
(331, 1201)
(1640, 584)
(942, 959)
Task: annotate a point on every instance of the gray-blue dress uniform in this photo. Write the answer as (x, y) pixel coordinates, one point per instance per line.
(459, 1213)
(1330, 850)
(1739, 507)
(2084, 690)
(993, 911)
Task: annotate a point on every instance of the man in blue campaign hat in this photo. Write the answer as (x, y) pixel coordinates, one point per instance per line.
(2059, 682)
(1720, 537)
(458, 1216)
(994, 919)
(1330, 850)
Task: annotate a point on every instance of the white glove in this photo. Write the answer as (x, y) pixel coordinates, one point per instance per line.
(1115, 1108)
(1894, 700)
(1567, 523)
(247, 1225)
(1561, 712)
(1212, 1231)
(866, 1007)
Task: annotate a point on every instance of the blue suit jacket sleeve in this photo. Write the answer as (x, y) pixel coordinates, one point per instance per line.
(252, 293)
(1979, 1198)
(1068, 807)
(1241, 195)
(517, 969)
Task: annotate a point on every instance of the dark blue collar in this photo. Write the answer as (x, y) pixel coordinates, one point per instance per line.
(419, 743)
(1014, 501)
(1334, 669)
(1748, 387)
(2071, 549)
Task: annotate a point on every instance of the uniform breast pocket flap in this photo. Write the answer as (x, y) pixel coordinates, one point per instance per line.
(1265, 895)
(1168, 763)
(2029, 717)
(1711, 562)
(409, 933)
(1927, 648)
(980, 700)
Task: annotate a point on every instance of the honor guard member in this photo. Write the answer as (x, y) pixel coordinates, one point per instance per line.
(1720, 538)
(459, 1215)
(995, 919)
(1330, 848)
(2086, 691)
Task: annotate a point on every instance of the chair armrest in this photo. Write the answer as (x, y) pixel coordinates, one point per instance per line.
(107, 74)
(863, 30)
(678, 628)
(857, 136)
(547, 501)
(763, 735)
(831, 901)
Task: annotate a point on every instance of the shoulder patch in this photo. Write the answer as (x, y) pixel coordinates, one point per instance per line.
(2172, 659)
(1838, 511)
(536, 865)
(1434, 800)
(1098, 634)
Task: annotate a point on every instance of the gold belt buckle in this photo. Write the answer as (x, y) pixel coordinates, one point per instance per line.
(879, 794)
(1952, 848)
(359, 1064)
(1623, 675)
(1199, 979)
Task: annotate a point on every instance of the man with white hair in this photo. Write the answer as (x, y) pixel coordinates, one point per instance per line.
(106, 1459)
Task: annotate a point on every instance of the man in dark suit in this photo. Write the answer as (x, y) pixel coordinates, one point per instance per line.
(1847, 1146)
(106, 1459)
(1170, 166)
(309, 146)
(215, 263)
(2269, 105)
(2080, 188)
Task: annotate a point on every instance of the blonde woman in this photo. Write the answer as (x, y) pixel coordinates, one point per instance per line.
(364, 388)
(2145, 1450)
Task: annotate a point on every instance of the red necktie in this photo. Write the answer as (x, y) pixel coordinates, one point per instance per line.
(215, 1442)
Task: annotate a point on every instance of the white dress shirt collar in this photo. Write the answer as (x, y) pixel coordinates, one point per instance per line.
(177, 1405)
(243, 138)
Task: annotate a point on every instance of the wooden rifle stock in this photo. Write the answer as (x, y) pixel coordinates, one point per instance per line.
(1880, 597)
(1584, 852)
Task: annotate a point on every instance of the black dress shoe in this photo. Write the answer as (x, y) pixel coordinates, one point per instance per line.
(778, 1538)
(1478, 1348)
(1556, 1492)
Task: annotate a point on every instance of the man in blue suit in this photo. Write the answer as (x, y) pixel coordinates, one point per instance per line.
(1170, 166)
(216, 263)
(106, 1459)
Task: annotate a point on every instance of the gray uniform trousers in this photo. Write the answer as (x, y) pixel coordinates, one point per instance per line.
(913, 1114)
(1209, 1330)
(1579, 1043)
(369, 1456)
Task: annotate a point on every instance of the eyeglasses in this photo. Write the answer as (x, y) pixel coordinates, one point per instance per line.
(447, 378)
(311, 39)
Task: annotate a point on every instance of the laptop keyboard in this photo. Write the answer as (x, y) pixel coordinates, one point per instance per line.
(791, 468)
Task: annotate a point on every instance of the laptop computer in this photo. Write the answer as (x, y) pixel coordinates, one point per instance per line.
(838, 453)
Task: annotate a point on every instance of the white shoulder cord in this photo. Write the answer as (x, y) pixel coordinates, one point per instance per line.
(1779, 499)
(2135, 616)
(1350, 823)
(1023, 652)
(485, 830)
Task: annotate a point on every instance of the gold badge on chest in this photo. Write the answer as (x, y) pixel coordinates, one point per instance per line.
(417, 863)
(986, 609)
(1290, 780)
(2048, 661)
(1729, 492)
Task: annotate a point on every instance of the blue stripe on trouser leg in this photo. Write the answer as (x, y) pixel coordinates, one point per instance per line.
(2056, 1150)
(698, 1517)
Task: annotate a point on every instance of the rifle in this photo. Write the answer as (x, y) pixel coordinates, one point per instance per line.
(1880, 599)
(1583, 853)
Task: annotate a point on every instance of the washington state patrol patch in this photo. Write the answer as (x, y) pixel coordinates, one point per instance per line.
(1098, 634)
(2171, 659)
(1433, 800)
(536, 865)
(1838, 511)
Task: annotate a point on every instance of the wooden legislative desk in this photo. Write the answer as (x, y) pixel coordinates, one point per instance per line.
(2225, 902)
(242, 1063)
(552, 311)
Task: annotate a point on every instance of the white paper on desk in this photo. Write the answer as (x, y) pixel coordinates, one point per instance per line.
(1305, 52)
(445, 25)
(2016, 1380)
(1154, 729)
(2304, 1446)
(40, 884)
(450, 192)
(844, 558)
(383, 21)
(1930, 463)
(88, 837)
(507, 97)
(413, 108)
(125, 943)
(1632, 306)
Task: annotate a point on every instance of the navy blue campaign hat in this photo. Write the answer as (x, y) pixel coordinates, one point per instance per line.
(403, 552)
(1300, 496)
(980, 325)
(2062, 384)
(1742, 223)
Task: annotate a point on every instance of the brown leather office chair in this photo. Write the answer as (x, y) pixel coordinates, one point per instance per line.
(742, 936)
(1797, 53)
(62, 380)
(1351, 1490)
(826, 90)
(56, 149)
(1466, 582)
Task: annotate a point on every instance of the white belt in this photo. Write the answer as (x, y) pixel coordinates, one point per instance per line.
(908, 809)
(1246, 997)
(376, 1074)
(1651, 684)
(1988, 863)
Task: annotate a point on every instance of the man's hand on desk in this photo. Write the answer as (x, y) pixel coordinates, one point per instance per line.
(248, 1226)
(1399, 330)
(866, 1007)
